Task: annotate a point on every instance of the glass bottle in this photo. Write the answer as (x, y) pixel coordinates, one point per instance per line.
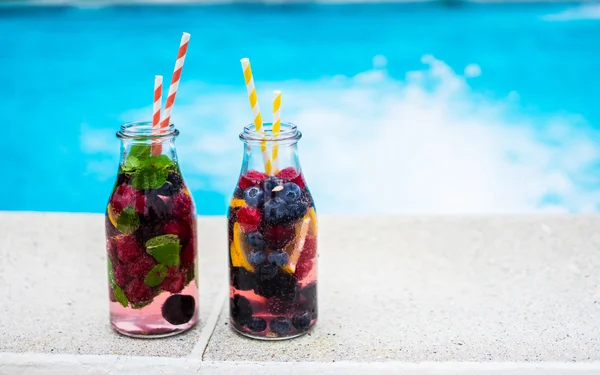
(151, 238)
(272, 239)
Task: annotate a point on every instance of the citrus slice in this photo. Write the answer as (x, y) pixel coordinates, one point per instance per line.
(112, 215)
(237, 249)
(295, 248)
(237, 203)
(312, 230)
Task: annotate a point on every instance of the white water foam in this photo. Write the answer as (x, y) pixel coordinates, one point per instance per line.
(582, 12)
(423, 145)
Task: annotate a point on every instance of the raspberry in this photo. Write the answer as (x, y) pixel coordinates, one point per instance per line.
(121, 276)
(278, 236)
(175, 280)
(182, 205)
(291, 174)
(252, 178)
(137, 292)
(249, 218)
(306, 260)
(127, 248)
(287, 173)
(310, 248)
(122, 197)
(139, 267)
(188, 254)
(111, 247)
(140, 203)
(303, 269)
(179, 228)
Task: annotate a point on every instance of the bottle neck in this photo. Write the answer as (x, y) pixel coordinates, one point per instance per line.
(140, 141)
(271, 149)
(270, 158)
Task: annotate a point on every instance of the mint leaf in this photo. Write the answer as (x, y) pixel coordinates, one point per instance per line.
(141, 305)
(140, 151)
(146, 179)
(189, 276)
(156, 275)
(157, 162)
(117, 291)
(165, 249)
(134, 157)
(131, 164)
(120, 295)
(128, 220)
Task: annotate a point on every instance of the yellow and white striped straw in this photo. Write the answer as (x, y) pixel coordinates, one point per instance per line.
(258, 123)
(276, 126)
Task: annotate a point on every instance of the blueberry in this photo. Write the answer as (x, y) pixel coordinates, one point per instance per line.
(302, 320)
(255, 239)
(257, 257)
(290, 193)
(279, 258)
(270, 184)
(256, 324)
(253, 196)
(280, 325)
(267, 271)
(242, 279)
(240, 309)
(179, 309)
(297, 210)
(275, 211)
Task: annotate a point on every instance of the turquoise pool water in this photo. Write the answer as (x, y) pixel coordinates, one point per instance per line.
(406, 108)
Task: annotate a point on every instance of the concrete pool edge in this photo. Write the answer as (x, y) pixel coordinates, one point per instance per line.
(541, 269)
(61, 364)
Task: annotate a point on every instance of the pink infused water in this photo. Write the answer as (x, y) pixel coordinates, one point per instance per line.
(273, 256)
(151, 243)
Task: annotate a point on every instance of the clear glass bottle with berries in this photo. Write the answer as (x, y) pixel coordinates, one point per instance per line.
(151, 238)
(272, 240)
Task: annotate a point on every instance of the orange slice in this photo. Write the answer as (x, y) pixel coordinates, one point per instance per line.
(312, 229)
(295, 248)
(237, 203)
(237, 249)
(112, 215)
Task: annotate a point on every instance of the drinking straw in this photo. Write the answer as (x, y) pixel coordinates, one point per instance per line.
(276, 126)
(258, 123)
(156, 149)
(183, 45)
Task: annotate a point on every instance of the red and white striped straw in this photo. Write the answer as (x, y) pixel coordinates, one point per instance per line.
(185, 38)
(157, 104)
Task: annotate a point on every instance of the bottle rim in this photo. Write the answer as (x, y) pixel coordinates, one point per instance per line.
(142, 130)
(287, 132)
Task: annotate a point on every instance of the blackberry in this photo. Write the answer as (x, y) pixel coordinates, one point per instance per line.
(179, 309)
(242, 279)
(240, 309)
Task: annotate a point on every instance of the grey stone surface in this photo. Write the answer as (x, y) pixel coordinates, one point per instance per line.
(54, 294)
(479, 289)
(446, 289)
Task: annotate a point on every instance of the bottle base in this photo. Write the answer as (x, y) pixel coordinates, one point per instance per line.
(152, 333)
(270, 338)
